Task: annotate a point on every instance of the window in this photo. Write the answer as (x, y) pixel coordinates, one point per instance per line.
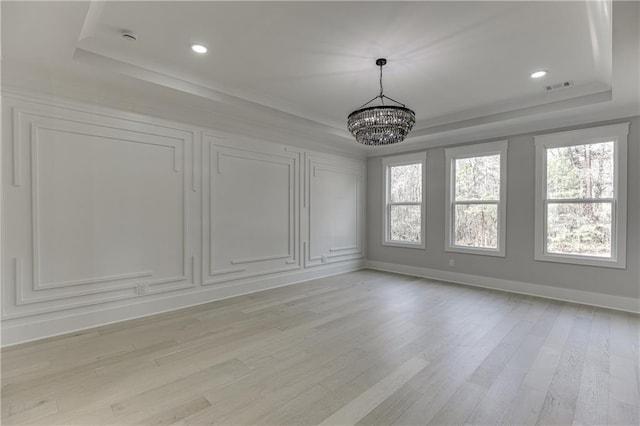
(404, 206)
(476, 198)
(581, 206)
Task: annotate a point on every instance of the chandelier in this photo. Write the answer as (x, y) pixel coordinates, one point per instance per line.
(382, 124)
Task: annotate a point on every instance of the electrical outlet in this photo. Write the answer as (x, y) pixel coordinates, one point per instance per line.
(323, 258)
(142, 288)
(452, 263)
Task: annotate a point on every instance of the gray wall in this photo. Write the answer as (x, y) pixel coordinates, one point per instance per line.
(519, 263)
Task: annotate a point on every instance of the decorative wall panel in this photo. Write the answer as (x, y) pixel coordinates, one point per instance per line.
(109, 215)
(104, 207)
(250, 210)
(333, 209)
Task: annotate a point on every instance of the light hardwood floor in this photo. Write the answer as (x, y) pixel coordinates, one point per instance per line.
(360, 348)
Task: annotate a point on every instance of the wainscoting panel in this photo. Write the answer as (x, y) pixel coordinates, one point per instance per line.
(333, 209)
(250, 210)
(104, 209)
(109, 215)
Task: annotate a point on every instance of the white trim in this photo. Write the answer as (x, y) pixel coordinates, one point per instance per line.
(583, 136)
(470, 151)
(100, 107)
(404, 244)
(620, 303)
(24, 330)
(401, 160)
(618, 133)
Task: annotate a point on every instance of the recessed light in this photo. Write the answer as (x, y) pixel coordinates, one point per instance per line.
(538, 74)
(198, 48)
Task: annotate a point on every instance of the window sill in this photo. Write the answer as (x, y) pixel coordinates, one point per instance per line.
(403, 245)
(582, 260)
(479, 251)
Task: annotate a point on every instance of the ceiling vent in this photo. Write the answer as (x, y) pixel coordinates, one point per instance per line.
(558, 86)
(128, 35)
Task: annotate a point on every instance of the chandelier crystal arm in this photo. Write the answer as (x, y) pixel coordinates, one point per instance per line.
(393, 100)
(367, 103)
(385, 97)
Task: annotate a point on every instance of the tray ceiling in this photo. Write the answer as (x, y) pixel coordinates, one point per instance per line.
(456, 64)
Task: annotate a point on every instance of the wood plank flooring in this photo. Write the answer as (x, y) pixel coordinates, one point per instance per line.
(360, 348)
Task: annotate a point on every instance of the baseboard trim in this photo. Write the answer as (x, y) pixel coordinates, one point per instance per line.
(619, 303)
(23, 330)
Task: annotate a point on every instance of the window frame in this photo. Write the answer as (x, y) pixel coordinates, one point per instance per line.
(402, 160)
(616, 133)
(471, 151)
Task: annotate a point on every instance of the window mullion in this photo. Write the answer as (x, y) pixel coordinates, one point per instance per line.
(579, 200)
(476, 202)
(402, 203)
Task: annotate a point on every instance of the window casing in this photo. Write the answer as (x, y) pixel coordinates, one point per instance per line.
(404, 209)
(581, 205)
(475, 201)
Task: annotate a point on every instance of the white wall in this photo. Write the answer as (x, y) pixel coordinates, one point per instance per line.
(109, 215)
(518, 271)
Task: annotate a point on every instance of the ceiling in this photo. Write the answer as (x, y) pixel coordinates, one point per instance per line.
(462, 66)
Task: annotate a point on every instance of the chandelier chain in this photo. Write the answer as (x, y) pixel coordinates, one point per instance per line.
(381, 89)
